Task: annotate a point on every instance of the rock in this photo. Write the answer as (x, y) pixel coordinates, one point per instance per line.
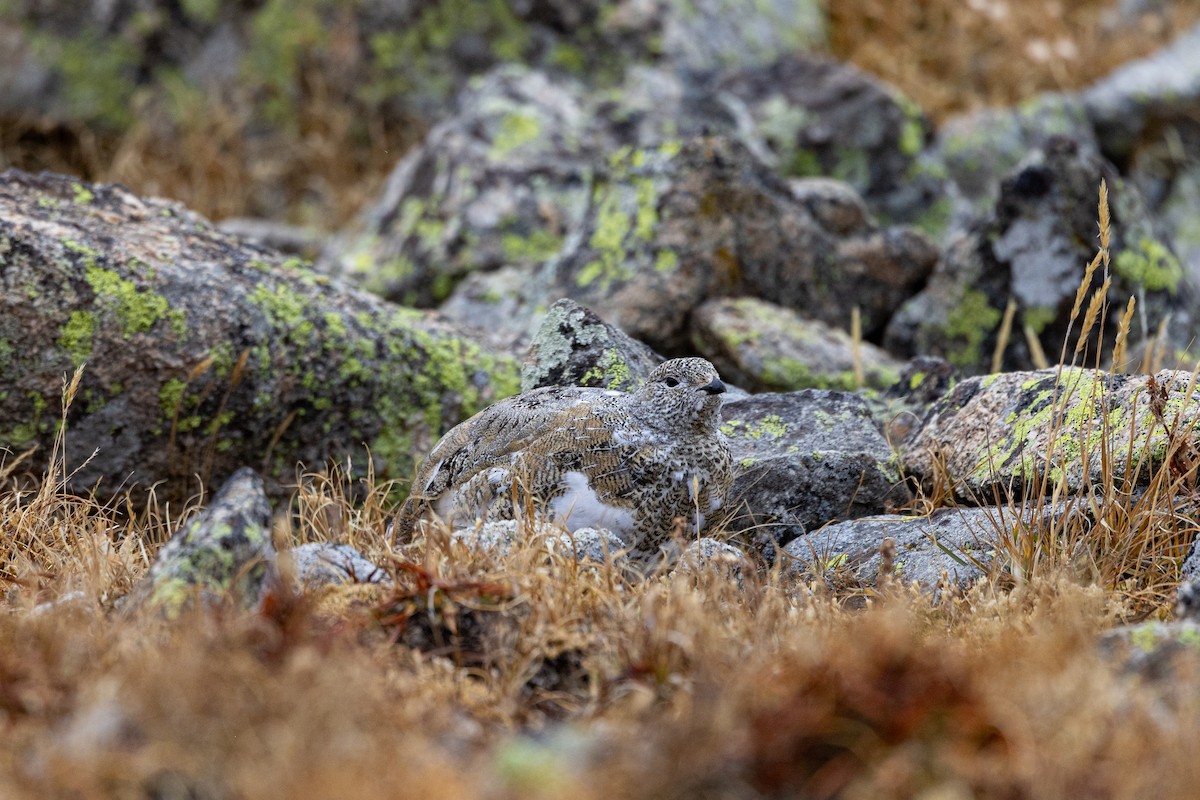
(225, 553)
(670, 226)
(820, 117)
(1139, 100)
(1155, 651)
(764, 347)
(293, 240)
(502, 537)
(979, 149)
(708, 554)
(318, 564)
(703, 34)
(498, 183)
(1033, 248)
(998, 435)
(907, 403)
(203, 353)
(956, 542)
(804, 459)
(575, 347)
(1177, 214)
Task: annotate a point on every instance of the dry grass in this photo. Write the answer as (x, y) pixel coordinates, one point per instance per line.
(528, 675)
(960, 55)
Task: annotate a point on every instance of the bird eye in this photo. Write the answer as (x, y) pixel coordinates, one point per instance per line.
(671, 381)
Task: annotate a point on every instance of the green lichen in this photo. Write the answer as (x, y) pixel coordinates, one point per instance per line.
(516, 130)
(1038, 317)
(75, 335)
(967, 327)
(666, 260)
(535, 248)
(170, 397)
(1150, 265)
(771, 425)
(137, 311)
(83, 195)
(611, 371)
(285, 309)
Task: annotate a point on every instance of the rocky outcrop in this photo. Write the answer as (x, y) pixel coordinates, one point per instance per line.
(202, 354)
(952, 545)
(1033, 248)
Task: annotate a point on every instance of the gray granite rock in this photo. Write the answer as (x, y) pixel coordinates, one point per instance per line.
(317, 564)
(956, 542)
(803, 459)
(1032, 248)
(1000, 434)
(224, 554)
(204, 353)
(761, 346)
(573, 346)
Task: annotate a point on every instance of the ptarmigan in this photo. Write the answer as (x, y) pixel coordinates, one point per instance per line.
(629, 462)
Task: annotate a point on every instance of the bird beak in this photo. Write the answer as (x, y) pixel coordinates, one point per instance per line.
(716, 387)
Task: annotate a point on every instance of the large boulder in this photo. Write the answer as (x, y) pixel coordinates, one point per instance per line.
(203, 354)
(1002, 435)
(804, 459)
(670, 226)
(764, 347)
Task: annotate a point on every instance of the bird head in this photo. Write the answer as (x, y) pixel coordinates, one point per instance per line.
(683, 392)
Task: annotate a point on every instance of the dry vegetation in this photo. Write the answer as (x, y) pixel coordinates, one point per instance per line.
(958, 55)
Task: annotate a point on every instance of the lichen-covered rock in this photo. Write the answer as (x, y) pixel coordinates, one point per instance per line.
(704, 34)
(1154, 651)
(203, 354)
(803, 459)
(764, 347)
(998, 434)
(317, 564)
(1033, 248)
(820, 117)
(956, 541)
(977, 150)
(498, 183)
(575, 347)
(669, 226)
(225, 553)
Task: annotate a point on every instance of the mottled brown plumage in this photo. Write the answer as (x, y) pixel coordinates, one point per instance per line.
(630, 462)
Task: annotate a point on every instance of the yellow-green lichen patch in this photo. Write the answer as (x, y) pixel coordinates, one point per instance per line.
(1037, 318)
(516, 129)
(82, 194)
(1149, 265)
(612, 372)
(535, 248)
(285, 309)
(75, 335)
(137, 311)
(967, 327)
(170, 397)
(771, 425)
